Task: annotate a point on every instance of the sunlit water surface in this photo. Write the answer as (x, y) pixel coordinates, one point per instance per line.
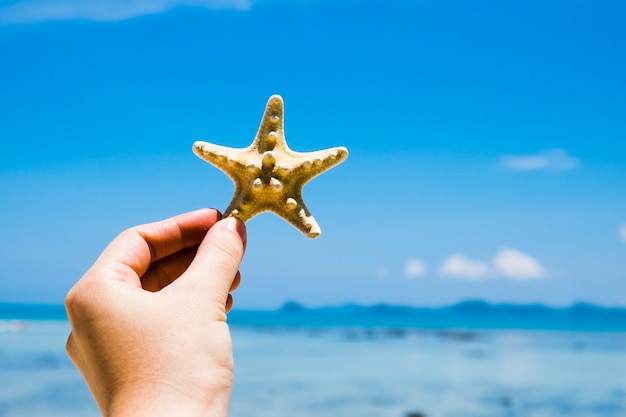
(354, 372)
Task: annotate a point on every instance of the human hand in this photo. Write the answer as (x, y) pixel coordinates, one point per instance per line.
(149, 331)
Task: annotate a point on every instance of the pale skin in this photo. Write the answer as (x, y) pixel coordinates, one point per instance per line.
(149, 332)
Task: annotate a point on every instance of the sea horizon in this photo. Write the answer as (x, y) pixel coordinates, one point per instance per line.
(469, 314)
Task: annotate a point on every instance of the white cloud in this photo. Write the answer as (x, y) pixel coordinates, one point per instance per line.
(30, 11)
(414, 268)
(556, 160)
(458, 265)
(514, 264)
(508, 263)
(622, 232)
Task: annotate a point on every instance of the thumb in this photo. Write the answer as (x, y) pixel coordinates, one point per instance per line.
(211, 273)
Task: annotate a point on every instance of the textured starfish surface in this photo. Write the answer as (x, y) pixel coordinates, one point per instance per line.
(269, 176)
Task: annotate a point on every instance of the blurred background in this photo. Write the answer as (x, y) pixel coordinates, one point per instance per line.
(486, 138)
(487, 162)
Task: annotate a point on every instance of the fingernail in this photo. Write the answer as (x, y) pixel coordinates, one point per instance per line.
(219, 213)
(237, 226)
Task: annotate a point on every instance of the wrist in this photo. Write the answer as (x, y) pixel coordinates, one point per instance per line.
(156, 400)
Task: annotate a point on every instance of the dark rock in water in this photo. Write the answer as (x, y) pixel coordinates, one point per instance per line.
(458, 335)
(505, 401)
(397, 333)
(415, 414)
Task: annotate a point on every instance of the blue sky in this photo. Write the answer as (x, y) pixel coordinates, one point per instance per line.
(487, 142)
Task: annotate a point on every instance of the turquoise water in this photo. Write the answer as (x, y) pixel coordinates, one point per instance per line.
(352, 372)
(326, 368)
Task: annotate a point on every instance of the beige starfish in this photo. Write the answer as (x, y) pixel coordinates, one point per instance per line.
(269, 176)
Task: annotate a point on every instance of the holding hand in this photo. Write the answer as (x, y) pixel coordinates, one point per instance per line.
(149, 331)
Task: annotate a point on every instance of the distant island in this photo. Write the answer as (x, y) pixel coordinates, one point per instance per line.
(473, 314)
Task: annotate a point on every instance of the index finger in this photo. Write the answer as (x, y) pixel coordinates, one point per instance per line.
(139, 246)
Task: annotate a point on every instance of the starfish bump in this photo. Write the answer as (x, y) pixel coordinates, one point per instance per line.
(269, 176)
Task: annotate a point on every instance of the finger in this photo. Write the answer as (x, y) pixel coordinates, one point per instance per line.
(229, 302)
(236, 282)
(163, 272)
(70, 348)
(212, 272)
(139, 246)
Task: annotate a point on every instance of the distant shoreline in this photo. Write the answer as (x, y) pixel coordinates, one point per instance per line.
(474, 314)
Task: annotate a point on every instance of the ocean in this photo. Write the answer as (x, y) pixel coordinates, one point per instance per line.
(472, 359)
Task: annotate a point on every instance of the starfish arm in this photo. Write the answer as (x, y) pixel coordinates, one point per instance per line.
(225, 159)
(271, 133)
(295, 212)
(239, 208)
(315, 163)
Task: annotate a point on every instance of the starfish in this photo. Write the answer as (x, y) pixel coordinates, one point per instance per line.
(269, 176)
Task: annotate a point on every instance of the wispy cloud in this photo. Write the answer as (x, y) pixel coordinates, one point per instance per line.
(555, 160)
(514, 264)
(414, 268)
(31, 11)
(622, 232)
(460, 266)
